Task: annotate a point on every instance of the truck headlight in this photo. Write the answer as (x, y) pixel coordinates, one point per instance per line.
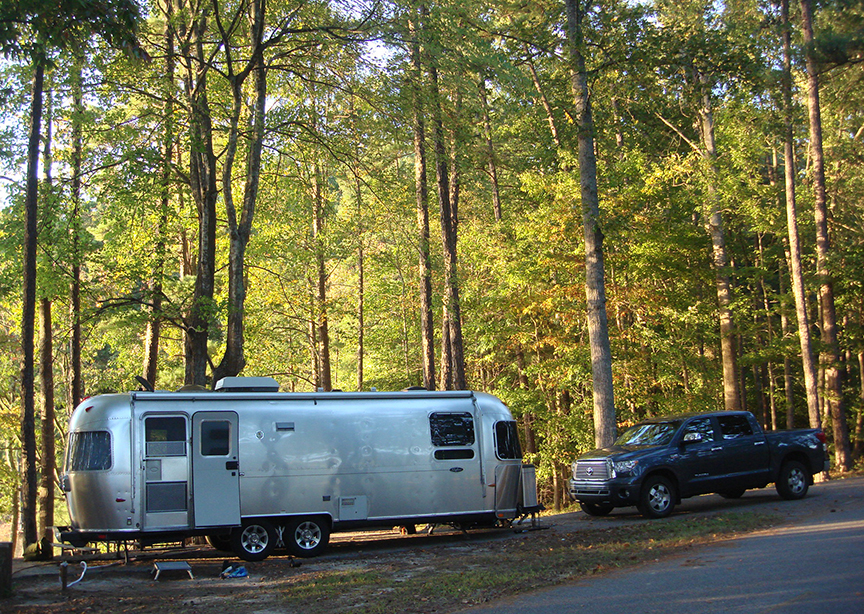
(622, 468)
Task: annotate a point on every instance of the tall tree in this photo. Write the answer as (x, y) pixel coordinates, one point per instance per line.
(421, 191)
(595, 281)
(831, 347)
(240, 227)
(796, 273)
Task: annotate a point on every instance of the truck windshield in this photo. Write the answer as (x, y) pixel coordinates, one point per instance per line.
(650, 434)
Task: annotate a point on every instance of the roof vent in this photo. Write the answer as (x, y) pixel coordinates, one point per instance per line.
(247, 384)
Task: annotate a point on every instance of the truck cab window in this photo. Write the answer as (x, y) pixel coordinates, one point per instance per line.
(702, 426)
(165, 436)
(735, 426)
(507, 441)
(89, 451)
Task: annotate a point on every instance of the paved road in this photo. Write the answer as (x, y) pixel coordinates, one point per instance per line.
(813, 566)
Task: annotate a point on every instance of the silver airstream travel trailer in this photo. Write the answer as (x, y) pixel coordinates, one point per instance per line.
(254, 469)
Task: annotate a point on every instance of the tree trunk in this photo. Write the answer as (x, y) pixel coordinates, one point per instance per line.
(453, 371)
(427, 331)
(830, 357)
(239, 231)
(550, 119)
(794, 252)
(490, 151)
(202, 176)
(28, 401)
(49, 455)
(527, 417)
(598, 330)
(323, 330)
(732, 393)
(76, 388)
(154, 322)
(859, 422)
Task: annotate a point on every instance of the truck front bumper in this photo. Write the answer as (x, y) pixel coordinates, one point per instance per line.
(620, 492)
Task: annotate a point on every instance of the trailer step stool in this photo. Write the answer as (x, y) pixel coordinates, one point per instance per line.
(161, 566)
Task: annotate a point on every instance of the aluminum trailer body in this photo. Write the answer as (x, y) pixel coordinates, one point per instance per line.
(254, 470)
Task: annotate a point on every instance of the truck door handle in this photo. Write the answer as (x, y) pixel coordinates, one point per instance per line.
(232, 465)
(759, 443)
(717, 449)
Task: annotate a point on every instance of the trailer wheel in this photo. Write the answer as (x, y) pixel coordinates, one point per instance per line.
(254, 541)
(307, 537)
(222, 543)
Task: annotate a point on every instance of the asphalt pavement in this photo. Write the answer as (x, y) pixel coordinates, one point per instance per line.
(813, 565)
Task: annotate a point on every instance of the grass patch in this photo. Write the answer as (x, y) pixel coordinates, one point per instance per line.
(445, 580)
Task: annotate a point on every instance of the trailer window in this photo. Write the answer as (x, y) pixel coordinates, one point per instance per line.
(90, 451)
(452, 429)
(165, 436)
(507, 441)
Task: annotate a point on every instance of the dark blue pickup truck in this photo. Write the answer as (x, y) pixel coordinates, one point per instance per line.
(660, 461)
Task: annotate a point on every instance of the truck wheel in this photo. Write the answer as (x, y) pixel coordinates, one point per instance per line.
(792, 483)
(254, 541)
(596, 509)
(657, 499)
(307, 537)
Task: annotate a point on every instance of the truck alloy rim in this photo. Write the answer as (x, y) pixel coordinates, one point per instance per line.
(796, 480)
(659, 497)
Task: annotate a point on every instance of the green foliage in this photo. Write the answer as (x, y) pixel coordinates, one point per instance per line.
(339, 101)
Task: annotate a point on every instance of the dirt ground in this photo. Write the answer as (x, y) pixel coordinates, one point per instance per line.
(112, 585)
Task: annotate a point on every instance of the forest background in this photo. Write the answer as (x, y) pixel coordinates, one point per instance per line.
(357, 194)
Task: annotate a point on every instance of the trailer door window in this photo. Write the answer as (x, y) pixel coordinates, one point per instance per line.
(507, 441)
(215, 438)
(90, 451)
(452, 429)
(165, 436)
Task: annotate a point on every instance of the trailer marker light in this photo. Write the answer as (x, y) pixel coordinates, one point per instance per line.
(118, 500)
(88, 408)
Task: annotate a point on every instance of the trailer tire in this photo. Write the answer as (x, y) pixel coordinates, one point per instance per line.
(222, 543)
(307, 536)
(254, 540)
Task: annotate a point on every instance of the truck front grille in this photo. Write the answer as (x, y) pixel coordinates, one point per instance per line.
(592, 470)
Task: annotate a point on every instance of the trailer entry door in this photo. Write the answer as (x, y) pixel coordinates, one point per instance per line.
(215, 469)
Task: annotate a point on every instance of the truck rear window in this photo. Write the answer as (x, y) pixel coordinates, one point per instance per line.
(89, 451)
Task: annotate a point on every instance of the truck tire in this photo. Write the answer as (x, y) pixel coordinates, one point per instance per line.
(596, 509)
(793, 481)
(255, 540)
(657, 499)
(307, 536)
